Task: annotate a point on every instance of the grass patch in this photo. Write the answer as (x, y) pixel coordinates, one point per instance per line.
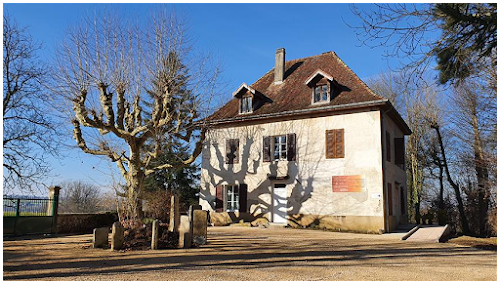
(480, 243)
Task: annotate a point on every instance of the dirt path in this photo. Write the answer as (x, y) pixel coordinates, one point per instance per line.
(236, 253)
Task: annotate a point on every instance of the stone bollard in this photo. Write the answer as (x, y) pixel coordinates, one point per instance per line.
(185, 232)
(155, 235)
(175, 217)
(117, 236)
(100, 237)
(199, 224)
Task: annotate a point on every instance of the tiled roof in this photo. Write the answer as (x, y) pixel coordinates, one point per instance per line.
(294, 94)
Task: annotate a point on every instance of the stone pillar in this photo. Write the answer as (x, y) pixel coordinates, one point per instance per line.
(185, 232)
(53, 205)
(100, 237)
(155, 235)
(199, 224)
(175, 217)
(117, 236)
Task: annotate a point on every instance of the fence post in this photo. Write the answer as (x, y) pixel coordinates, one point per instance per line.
(18, 210)
(53, 206)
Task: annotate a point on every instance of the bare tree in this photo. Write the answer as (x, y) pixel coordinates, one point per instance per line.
(79, 197)
(434, 124)
(27, 128)
(126, 86)
(475, 121)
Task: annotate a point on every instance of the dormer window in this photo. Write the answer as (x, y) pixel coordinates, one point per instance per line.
(321, 94)
(321, 84)
(246, 105)
(250, 100)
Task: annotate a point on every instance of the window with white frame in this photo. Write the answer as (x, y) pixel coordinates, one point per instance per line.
(232, 198)
(246, 105)
(279, 146)
(320, 94)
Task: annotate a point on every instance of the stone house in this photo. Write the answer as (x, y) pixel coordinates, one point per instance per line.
(308, 144)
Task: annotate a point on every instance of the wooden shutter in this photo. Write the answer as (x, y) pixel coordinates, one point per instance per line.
(291, 147)
(399, 151)
(330, 144)
(243, 198)
(219, 198)
(339, 143)
(403, 201)
(335, 144)
(388, 146)
(389, 198)
(266, 149)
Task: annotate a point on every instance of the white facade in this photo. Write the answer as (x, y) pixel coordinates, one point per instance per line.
(309, 178)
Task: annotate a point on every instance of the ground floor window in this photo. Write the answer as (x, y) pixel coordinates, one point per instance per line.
(232, 198)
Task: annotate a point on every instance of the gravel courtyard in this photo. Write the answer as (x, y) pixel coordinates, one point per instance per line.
(239, 253)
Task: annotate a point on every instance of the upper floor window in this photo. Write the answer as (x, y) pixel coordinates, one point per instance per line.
(279, 144)
(320, 94)
(246, 105)
(335, 144)
(281, 147)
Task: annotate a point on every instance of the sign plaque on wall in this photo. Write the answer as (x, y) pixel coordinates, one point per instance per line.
(348, 183)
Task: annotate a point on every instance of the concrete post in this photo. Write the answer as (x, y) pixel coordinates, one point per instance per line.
(185, 232)
(155, 235)
(199, 224)
(175, 217)
(117, 236)
(192, 208)
(53, 206)
(100, 237)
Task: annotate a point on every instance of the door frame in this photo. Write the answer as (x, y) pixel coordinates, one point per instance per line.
(273, 195)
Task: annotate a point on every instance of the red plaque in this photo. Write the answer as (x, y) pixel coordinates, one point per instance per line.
(348, 183)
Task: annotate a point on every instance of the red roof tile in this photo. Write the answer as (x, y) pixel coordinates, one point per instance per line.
(294, 94)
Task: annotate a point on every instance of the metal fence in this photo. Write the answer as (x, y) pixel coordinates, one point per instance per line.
(27, 207)
(29, 215)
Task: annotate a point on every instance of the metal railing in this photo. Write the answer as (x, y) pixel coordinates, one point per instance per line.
(28, 207)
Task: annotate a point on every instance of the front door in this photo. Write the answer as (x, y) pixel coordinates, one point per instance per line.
(279, 203)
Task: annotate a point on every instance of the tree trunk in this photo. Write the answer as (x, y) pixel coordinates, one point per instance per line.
(463, 218)
(482, 179)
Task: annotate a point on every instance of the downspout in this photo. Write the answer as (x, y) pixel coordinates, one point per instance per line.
(384, 193)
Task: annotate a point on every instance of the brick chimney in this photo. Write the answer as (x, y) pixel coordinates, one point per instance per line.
(279, 68)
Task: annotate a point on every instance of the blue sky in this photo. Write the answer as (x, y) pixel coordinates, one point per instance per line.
(244, 37)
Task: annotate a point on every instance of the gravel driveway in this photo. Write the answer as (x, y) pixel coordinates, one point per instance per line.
(239, 253)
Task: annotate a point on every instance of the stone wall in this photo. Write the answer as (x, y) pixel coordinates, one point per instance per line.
(84, 223)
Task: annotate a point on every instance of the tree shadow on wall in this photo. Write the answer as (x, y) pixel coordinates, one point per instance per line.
(249, 170)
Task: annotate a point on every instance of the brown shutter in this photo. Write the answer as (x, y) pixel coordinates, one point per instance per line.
(388, 146)
(291, 147)
(228, 152)
(236, 147)
(243, 198)
(389, 198)
(330, 144)
(266, 149)
(403, 201)
(339, 143)
(219, 198)
(399, 151)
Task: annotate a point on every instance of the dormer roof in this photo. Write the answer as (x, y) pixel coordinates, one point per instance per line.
(319, 72)
(242, 87)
